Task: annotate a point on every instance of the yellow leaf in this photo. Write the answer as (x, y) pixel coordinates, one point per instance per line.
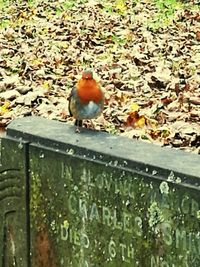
(135, 120)
(120, 5)
(20, 21)
(5, 108)
(62, 44)
(46, 85)
(140, 122)
(152, 123)
(135, 107)
(34, 11)
(37, 62)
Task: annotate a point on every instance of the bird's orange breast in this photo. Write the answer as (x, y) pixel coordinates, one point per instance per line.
(89, 90)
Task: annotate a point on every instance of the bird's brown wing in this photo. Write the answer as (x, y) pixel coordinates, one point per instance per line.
(70, 98)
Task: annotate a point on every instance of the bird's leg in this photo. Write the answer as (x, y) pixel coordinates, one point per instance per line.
(77, 129)
(78, 123)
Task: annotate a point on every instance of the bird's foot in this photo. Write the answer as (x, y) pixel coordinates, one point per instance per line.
(77, 130)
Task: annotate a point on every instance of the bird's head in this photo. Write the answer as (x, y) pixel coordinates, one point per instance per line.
(87, 75)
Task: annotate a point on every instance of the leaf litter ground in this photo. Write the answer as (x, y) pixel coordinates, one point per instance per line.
(147, 64)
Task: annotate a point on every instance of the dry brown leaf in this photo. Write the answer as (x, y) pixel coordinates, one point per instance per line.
(45, 47)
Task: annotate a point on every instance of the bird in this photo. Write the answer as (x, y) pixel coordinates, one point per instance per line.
(86, 100)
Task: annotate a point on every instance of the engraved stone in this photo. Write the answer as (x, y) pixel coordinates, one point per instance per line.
(113, 202)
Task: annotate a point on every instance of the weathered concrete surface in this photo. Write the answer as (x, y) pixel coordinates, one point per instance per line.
(102, 200)
(14, 240)
(57, 135)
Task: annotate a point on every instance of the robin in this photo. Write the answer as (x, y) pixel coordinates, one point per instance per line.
(86, 101)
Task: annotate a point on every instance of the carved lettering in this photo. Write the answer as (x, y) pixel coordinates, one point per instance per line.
(72, 204)
(64, 232)
(94, 214)
(126, 218)
(112, 249)
(85, 240)
(138, 226)
(185, 205)
(180, 239)
(117, 224)
(83, 208)
(123, 249)
(78, 238)
(99, 181)
(167, 234)
(194, 207)
(106, 216)
(126, 222)
(130, 252)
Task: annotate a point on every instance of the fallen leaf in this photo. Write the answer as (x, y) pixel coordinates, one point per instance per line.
(198, 35)
(134, 107)
(135, 120)
(9, 94)
(4, 108)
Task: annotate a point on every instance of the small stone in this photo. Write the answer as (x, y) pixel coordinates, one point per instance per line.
(23, 90)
